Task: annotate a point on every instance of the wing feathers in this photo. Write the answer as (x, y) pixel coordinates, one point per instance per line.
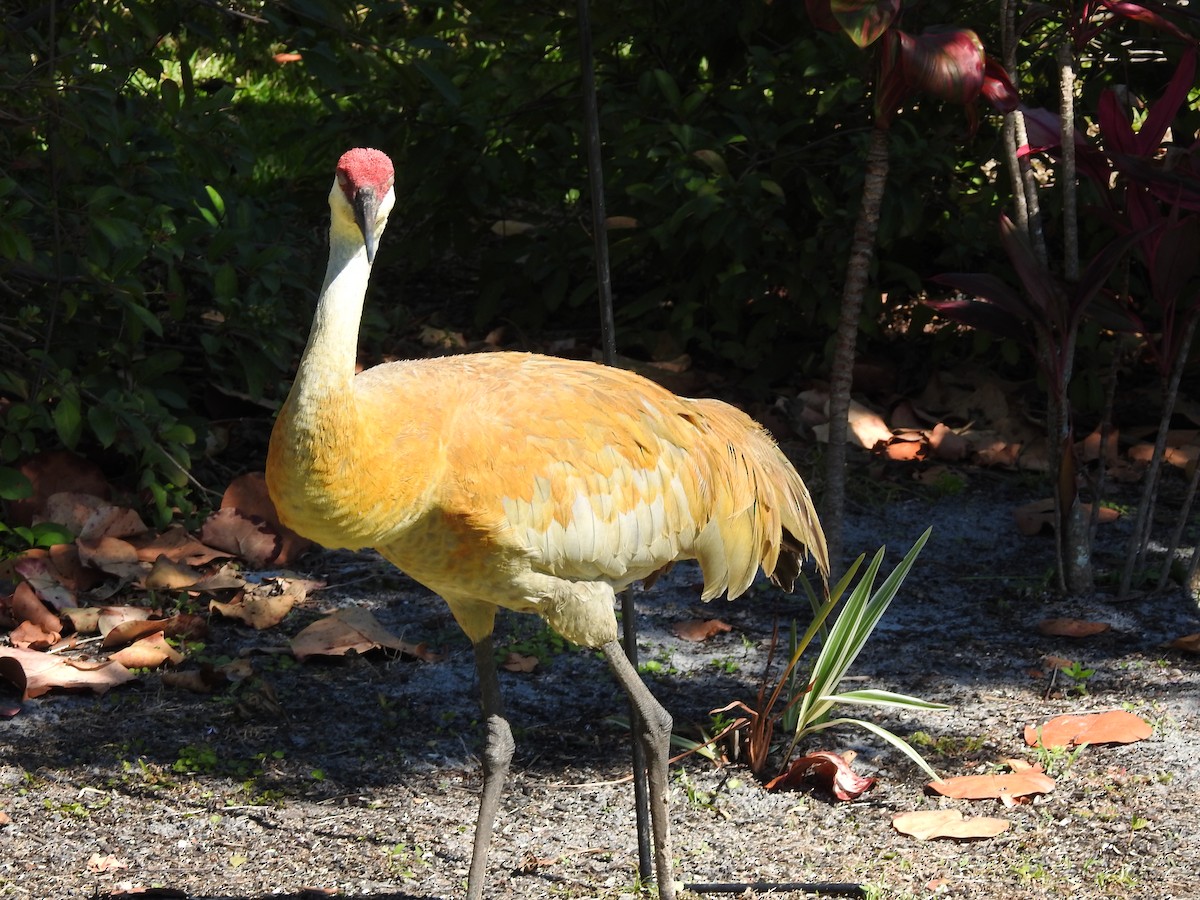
(588, 472)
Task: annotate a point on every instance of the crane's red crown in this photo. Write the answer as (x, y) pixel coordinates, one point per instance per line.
(363, 167)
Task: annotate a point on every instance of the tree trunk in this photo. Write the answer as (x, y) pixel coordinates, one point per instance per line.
(858, 272)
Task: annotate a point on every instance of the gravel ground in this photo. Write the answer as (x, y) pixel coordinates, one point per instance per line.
(359, 777)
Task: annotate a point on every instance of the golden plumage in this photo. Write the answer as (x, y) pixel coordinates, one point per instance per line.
(540, 484)
(521, 481)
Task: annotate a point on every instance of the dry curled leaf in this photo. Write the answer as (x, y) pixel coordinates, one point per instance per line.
(1113, 727)
(700, 629)
(182, 625)
(926, 825)
(148, 653)
(264, 605)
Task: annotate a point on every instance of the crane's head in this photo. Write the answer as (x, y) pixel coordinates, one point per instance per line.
(363, 193)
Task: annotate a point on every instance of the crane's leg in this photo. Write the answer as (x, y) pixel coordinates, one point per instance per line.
(655, 734)
(641, 802)
(497, 755)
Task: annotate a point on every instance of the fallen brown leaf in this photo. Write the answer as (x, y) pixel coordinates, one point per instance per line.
(35, 673)
(85, 620)
(182, 625)
(248, 495)
(1076, 628)
(97, 863)
(27, 606)
(29, 636)
(251, 539)
(352, 629)
(176, 544)
(700, 629)
(827, 769)
(519, 662)
(38, 569)
(51, 473)
(1038, 516)
(262, 606)
(110, 521)
(1113, 727)
(904, 447)
(112, 555)
(926, 825)
(167, 575)
(148, 653)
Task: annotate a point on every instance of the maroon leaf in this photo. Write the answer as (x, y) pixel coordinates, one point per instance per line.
(826, 769)
(1139, 13)
(1119, 135)
(998, 88)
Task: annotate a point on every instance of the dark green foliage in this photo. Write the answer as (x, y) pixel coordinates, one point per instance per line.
(162, 194)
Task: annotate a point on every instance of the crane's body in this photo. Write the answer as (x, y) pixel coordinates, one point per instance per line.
(521, 481)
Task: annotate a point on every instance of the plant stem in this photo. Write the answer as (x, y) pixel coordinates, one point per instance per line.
(841, 376)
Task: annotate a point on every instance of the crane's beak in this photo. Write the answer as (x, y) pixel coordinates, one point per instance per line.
(366, 214)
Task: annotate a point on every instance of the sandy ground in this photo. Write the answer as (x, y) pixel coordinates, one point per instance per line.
(359, 777)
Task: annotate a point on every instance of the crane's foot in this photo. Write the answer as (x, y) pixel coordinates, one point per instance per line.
(656, 736)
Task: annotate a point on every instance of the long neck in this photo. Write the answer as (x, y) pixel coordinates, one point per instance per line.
(326, 370)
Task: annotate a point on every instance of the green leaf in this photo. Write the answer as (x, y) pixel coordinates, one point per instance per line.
(214, 197)
(103, 424)
(50, 534)
(14, 485)
(441, 83)
(668, 88)
(877, 697)
(68, 421)
(225, 282)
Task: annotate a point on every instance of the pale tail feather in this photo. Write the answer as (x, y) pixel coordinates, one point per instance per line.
(762, 514)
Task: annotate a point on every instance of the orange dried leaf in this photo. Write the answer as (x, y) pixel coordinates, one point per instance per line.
(1113, 727)
(1189, 643)
(926, 825)
(700, 629)
(904, 448)
(826, 769)
(1076, 628)
(992, 787)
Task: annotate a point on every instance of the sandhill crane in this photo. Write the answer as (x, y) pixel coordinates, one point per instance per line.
(522, 481)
